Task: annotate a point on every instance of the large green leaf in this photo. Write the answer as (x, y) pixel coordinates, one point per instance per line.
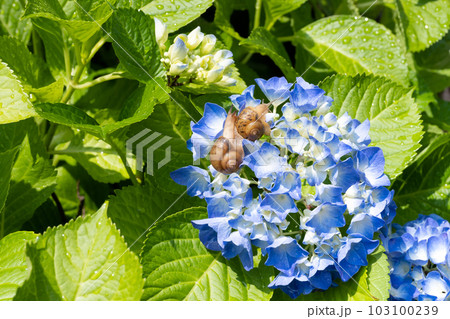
(68, 115)
(14, 102)
(353, 47)
(13, 265)
(263, 42)
(178, 267)
(97, 157)
(25, 65)
(176, 13)
(172, 120)
(274, 9)
(424, 22)
(85, 259)
(378, 274)
(135, 208)
(135, 44)
(11, 22)
(6, 163)
(82, 20)
(393, 114)
(33, 179)
(425, 186)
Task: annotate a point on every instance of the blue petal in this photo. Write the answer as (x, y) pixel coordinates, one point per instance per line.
(370, 163)
(438, 248)
(213, 232)
(365, 225)
(275, 89)
(212, 122)
(265, 161)
(327, 216)
(284, 253)
(282, 204)
(344, 175)
(245, 99)
(236, 245)
(288, 182)
(329, 194)
(196, 179)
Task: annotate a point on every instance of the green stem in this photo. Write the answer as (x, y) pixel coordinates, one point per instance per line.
(101, 79)
(247, 58)
(292, 233)
(38, 49)
(257, 14)
(70, 89)
(291, 38)
(97, 47)
(123, 157)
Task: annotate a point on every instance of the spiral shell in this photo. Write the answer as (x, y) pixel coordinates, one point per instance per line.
(251, 123)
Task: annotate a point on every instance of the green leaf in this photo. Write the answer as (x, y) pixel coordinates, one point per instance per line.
(11, 22)
(6, 163)
(263, 42)
(140, 105)
(14, 102)
(33, 179)
(274, 9)
(52, 38)
(393, 114)
(68, 115)
(135, 44)
(51, 93)
(178, 267)
(425, 186)
(176, 13)
(135, 208)
(92, 16)
(97, 157)
(85, 259)
(25, 65)
(378, 274)
(13, 265)
(353, 47)
(171, 119)
(424, 22)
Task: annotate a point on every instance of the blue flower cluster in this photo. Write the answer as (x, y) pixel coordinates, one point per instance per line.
(419, 254)
(311, 195)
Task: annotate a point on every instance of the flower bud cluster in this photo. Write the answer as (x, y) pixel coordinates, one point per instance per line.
(419, 255)
(195, 58)
(311, 196)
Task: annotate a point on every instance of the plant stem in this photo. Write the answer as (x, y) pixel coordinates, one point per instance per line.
(292, 233)
(60, 208)
(123, 157)
(97, 47)
(101, 79)
(38, 49)
(247, 58)
(257, 14)
(70, 89)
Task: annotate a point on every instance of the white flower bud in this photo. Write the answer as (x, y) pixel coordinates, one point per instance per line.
(227, 81)
(222, 54)
(208, 43)
(161, 33)
(214, 75)
(177, 68)
(330, 119)
(178, 51)
(225, 63)
(194, 38)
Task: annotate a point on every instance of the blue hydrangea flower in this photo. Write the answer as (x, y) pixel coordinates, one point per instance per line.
(419, 255)
(311, 196)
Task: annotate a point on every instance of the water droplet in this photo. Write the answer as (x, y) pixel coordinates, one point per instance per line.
(437, 9)
(390, 66)
(390, 55)
(63, 235)
(160, 6)
(367, 30)
(12, 96)
(346, 40)
(366, 19)
(334, 31)
(350, 29)
(426, 26)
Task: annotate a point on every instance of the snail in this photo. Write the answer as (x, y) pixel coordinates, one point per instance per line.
(251, 123)
(227, 152)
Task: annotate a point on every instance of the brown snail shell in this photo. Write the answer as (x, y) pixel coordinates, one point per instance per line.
(251, 123)
(227, 152)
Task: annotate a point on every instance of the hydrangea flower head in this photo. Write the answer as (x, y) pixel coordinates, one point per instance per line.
(419, 254)
(195, 58)
(311, 195)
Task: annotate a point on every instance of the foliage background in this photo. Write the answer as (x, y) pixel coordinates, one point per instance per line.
(78, 78)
